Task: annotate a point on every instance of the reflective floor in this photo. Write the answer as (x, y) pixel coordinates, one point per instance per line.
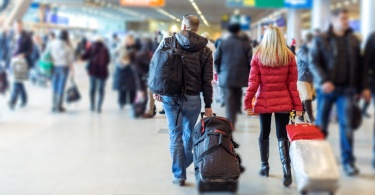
(83, 153)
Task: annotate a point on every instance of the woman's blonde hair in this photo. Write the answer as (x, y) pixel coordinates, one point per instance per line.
(273, 50)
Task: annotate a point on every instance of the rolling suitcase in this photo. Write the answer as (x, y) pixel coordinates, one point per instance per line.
(217, 166)
(312, 158)
(314, 165)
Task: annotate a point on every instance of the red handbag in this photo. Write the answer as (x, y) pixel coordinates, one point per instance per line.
(303, 131)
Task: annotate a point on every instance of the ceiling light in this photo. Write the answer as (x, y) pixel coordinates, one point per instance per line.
(162, 11)
(199, 12)
(355, 1)
(346, 3)
(338, 5)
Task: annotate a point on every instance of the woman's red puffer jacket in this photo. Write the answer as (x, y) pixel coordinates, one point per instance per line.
(275, 88)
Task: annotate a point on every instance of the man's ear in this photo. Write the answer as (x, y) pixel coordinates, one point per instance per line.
(183, 27)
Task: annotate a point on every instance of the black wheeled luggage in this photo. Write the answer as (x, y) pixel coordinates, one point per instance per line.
(217, 166)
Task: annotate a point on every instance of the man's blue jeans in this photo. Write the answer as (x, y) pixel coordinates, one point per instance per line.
(343, 98)
(180, 134)
(97, 85)
(59, 77)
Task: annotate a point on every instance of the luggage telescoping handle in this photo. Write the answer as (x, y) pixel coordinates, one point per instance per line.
(293, 117)
(202, 114)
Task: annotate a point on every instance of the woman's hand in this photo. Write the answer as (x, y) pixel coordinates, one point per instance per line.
(249, 112)
(299, 113)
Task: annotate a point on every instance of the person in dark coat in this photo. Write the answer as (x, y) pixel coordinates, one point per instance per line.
(336, 65)
(5, 47)
(369, 68)
(125, 78)
(142, 64)
(232, 63)
(98, 58)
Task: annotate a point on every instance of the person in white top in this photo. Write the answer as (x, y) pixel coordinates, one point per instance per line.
(62, 55)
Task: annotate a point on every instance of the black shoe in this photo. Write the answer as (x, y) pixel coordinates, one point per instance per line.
(179, 182)
(162, 112)
(285, 160)
(264, 156)
(99, 110)
(350, 169)
(61, 109)
(222, 104)
(154, 111)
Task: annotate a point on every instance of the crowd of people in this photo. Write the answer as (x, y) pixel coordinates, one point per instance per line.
(279, 79)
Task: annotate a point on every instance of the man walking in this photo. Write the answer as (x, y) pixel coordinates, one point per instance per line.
(22, 48)
(182, 111)
(336, 66)
(232, 63)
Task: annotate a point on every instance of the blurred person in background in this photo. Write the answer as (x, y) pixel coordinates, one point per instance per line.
(22, 47)
(142, 65)
(211, 46)
(98, 58)
(62, 55)
(232, 63)
(37, 49)
(305, 83)
(125, 78)
(336, 66)
(293, 46)
(81, 47)
(182, 112)
(6, 47)
(369, 63)
(273, 79)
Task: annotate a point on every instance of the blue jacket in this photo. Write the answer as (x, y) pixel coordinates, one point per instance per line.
(304, 73)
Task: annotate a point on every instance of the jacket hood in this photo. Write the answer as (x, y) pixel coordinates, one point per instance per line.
(191, 41)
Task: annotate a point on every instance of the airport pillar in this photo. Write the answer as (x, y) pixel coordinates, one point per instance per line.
(294, 26)
(367, 10)
(19, 10)
(320, 14)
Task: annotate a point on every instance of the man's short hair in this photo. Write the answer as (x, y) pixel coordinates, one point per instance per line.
(234, 28)
(191, 22)
(337, 12)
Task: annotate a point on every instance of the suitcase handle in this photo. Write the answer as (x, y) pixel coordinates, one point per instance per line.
(292, 117)
(202, 115)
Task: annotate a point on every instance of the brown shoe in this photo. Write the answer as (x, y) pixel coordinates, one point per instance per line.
(148, 116)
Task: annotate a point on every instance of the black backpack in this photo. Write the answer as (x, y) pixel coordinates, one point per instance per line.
(217, 166)
(166, 70)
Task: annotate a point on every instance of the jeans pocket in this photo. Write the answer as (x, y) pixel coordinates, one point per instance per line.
(167, 100)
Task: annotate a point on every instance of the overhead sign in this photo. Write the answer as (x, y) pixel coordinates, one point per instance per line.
(298, 4)
(256, 3)
(143, 3)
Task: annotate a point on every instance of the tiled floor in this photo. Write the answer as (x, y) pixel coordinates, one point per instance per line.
(82, 153)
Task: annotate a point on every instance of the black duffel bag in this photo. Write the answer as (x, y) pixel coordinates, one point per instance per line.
(217, 166)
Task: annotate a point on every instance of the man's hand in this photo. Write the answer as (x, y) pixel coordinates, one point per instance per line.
(366, 95)
(157, 97)
(328, 87)
(299, 113)
(208, 112)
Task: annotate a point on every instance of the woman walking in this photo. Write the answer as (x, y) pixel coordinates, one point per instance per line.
(62, 56)
(98, 61)
(273, 78)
